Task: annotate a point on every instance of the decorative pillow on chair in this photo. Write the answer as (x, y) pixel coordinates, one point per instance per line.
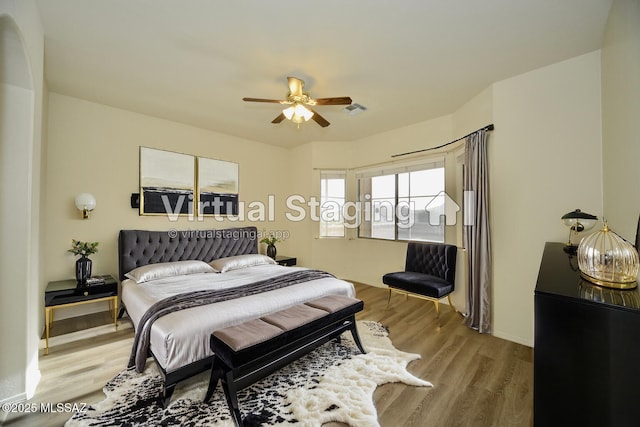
(167, 269)
(240, 261)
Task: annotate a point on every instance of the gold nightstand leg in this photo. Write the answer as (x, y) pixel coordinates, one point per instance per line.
(115, 312)
(46, 327)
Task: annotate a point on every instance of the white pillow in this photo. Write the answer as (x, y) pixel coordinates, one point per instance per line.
(240, 261)
(167, 269)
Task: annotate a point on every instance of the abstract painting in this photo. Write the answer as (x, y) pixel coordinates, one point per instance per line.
(167, 182)
(217, 187)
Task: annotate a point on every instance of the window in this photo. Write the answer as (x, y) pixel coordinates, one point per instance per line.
(332, 201)
(403, 202)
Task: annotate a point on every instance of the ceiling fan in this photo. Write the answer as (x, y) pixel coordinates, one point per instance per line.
(299, 102)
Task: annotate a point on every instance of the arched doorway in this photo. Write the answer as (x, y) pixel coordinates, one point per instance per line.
(17, 280)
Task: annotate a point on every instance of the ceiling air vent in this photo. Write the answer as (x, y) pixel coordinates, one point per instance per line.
(354, 109)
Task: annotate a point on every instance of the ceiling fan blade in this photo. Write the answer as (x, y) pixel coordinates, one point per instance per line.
(275, 101)
(295, 86)
(341, 100)
(278, 119)
(319, 119)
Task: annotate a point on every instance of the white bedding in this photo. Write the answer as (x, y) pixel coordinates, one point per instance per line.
(182, 337)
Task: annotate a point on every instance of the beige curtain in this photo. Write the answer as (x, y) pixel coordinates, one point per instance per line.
(477, 236)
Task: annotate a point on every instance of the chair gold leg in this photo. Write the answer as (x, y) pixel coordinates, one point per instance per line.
(388, 298)
(437, 309)
(451, 304)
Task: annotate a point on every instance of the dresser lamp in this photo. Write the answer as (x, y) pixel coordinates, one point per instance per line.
(577, 221)
(85, 203)
(606, 259)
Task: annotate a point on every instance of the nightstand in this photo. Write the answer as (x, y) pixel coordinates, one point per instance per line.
(286, 260)
(67, 293)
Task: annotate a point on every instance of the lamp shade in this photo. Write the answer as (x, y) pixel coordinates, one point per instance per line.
(85, 201)
(579, 221)
(297, 113)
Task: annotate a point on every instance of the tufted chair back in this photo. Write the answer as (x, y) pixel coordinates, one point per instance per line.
(436, 259)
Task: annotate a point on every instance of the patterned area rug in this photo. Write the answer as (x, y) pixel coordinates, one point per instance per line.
(333, 383)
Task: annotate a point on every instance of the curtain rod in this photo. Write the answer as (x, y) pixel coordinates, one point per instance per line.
(487, 127)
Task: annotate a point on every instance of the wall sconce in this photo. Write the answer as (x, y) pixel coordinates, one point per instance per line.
(577, 221)
(85, 203)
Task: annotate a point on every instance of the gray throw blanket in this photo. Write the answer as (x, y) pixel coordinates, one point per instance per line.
(140, 349)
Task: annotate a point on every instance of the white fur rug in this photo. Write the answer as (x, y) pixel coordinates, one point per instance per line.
(333, 383)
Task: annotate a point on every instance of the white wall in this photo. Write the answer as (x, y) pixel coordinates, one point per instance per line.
(21, 100)
(621, 117)
(544, 161)
(475, 113)
(15, 113)
(367, 260)
(300, 183)
(94, 148)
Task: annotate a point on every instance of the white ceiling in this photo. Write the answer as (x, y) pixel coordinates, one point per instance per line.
(193, 61)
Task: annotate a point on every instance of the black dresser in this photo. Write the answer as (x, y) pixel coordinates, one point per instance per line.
(587, 348)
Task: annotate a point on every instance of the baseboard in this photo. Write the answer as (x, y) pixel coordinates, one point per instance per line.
(32, 375)
(21, 397)
(513, 338)
(355, 282)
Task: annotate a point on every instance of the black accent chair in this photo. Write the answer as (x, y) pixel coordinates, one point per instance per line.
(430, 271)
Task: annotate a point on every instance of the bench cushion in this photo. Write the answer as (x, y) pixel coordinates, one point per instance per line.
(271, 332)
(247, 334)
(293, 317)
(331, 303)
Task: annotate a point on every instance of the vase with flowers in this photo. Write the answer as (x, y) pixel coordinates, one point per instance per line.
(270, 241)
(83, 264)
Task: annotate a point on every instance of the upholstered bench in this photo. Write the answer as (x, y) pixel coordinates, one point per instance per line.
(247, 352)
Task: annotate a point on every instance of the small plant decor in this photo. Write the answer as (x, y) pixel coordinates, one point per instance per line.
(83, 264)
(270, 240)
(84, 249)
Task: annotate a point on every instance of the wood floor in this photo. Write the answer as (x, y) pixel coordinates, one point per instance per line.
(479, 380)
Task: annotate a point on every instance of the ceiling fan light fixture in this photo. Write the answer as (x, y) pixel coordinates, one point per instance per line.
(303, 111)
(297, 100)
(289, 112)
(297, 113)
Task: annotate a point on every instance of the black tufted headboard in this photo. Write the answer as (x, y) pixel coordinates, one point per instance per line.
(141, 247)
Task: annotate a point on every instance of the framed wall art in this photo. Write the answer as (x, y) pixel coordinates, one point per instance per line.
(167, 182)
(217, 187)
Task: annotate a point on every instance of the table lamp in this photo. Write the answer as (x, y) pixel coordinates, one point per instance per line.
(577, 221)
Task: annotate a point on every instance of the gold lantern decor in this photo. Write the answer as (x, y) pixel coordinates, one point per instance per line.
(606, 259)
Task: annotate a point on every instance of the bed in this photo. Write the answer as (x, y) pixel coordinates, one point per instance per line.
(223, 278)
